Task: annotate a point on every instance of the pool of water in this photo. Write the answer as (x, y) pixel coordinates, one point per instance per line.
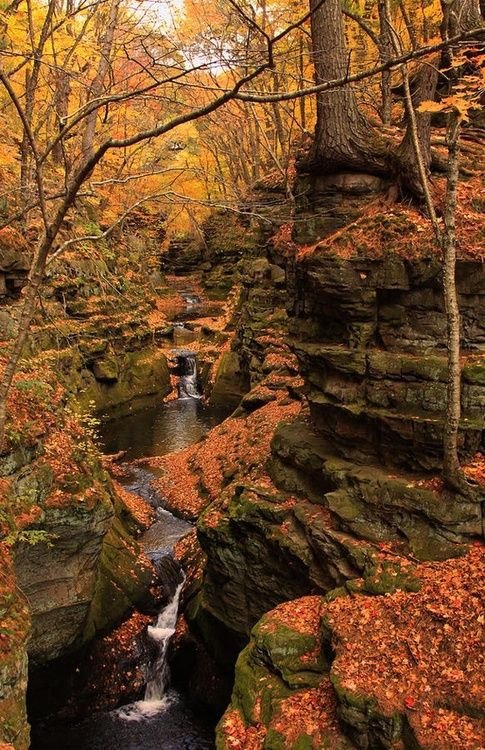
(160, 429)
(167, 724)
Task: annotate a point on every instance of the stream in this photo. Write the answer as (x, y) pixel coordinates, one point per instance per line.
(162, 720)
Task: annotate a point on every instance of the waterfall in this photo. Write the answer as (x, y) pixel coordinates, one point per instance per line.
(161, 632)
(187, 368)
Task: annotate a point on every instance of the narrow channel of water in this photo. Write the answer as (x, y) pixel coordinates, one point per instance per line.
(163, 720)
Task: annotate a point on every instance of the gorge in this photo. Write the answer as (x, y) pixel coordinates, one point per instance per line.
(242, 375)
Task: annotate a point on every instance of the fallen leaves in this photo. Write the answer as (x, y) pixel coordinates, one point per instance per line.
(422, 651)
(475, 469)
(194, 477)
(417, 654)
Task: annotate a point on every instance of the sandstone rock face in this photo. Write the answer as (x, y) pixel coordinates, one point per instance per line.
(183, 256)
(325, 203)
(370, 339)
(389, 303)
(230, 382)
(111, 364)
(82, 580)
(369, 502)
(360, 468)
(227, 240)
(120, 383)
(14, 261)
(59, 577)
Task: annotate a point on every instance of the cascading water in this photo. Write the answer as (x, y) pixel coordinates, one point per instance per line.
(162, 719)
(161, 632)
(188, 386)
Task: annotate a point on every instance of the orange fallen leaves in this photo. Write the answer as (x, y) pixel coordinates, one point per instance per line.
(194, 477)
(423, 648)
(475, 469)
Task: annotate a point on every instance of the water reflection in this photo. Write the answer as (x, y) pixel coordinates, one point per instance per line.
(161, 429)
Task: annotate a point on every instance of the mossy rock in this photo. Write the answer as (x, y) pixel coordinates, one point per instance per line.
(122, 581)
(296, 656)
(363, 718)
(474, 373)
(230, 383)
(128, 381)
(388, 579)
(426, 367)
(106, 370)
(254, 685)
(248, 505)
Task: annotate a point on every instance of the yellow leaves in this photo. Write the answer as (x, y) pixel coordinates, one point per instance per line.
(430, 107)
(460, 103)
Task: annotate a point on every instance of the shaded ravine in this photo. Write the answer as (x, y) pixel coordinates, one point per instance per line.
(162, 719)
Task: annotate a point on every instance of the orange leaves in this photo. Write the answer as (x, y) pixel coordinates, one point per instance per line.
(303, 615)
(310, 712)
(405, 231)
(475, 469)
(456, 103)
(239, 737)
(429, 107)
(194, 477)
(422, 649)
(143, 514)
(434, 727)
(418, 654)
(410, 702)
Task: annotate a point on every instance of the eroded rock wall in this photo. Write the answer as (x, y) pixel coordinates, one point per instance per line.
(370, 338)
(358, 468)
(77, 568)
(14, 634)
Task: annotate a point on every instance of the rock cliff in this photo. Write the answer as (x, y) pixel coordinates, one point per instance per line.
(354, 337)
(76, 567)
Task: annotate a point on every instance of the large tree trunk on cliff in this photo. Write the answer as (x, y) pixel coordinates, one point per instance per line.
(385, 49)
(344, 140)
(423, 89)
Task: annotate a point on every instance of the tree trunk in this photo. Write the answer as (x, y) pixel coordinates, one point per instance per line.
(423, 88)
(451, 463)
(385, 49)
(409, 26)
(31, 81)
(97, 86)
(460, 15)
(301, 79)
(61, 95)
(343, 138)
(278, 122)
